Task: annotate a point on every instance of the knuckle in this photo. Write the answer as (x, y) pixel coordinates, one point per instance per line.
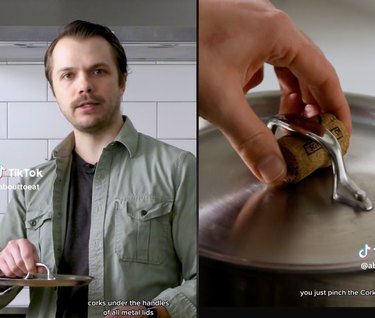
(254, 142)
(279, 18)
(4, 253)
(27, 253)
(24, 241)
(11, 243)
(18, 262)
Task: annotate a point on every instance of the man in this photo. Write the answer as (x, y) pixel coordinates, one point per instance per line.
(113, 203)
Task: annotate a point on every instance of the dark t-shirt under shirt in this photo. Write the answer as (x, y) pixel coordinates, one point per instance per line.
(72, 301)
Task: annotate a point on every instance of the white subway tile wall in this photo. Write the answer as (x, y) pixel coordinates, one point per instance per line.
(3, 120)
(166, 82)
(3, 195)
(22, 83)
(160, 99)
(36, 120)
(22, 153)
(180, 127)
(142, 114)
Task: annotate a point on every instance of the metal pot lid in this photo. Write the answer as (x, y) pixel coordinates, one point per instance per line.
(295, 227)
(42, 281)
(46, 280)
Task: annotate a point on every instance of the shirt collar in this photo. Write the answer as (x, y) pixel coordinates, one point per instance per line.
(128, 137)
(64, 148)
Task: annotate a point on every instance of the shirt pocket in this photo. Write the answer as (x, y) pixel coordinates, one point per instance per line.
(142, 230)
(38, 225)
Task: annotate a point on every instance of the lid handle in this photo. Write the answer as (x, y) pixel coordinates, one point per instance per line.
(49, 275)
(345, 190)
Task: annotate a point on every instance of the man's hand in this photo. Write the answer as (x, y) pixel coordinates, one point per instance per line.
(134, 311)
(236, 38)
(18, 258)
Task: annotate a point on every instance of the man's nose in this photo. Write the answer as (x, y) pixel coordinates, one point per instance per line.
(85, 85)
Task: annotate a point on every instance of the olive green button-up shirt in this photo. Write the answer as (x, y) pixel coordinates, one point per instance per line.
(142, 244)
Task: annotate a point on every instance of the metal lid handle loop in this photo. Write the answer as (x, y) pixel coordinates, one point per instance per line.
(49, 275)
(345, 189)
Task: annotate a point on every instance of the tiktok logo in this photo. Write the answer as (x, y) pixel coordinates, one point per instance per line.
(363, 252)
(2, 171)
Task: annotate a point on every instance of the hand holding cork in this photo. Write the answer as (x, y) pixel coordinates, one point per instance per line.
(232, 53)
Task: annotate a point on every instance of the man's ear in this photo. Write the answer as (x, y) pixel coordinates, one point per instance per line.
(123, 82)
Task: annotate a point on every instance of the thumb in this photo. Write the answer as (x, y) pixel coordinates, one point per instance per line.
(252, 140)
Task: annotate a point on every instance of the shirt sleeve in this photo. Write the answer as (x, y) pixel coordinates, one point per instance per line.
(7, 295)
(12, 227)
(182, 299)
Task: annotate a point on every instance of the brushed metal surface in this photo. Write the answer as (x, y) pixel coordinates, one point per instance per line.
(292, 228)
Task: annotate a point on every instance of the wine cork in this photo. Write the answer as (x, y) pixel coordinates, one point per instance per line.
(303, 156)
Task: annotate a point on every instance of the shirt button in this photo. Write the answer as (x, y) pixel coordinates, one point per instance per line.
(143, 212)
(33, 223)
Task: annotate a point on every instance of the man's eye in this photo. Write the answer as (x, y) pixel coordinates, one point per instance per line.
(98, 71)
(67, 76)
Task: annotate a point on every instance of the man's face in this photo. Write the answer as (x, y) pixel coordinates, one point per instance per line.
(86, 83)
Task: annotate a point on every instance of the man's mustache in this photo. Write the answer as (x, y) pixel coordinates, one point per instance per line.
(87, 99)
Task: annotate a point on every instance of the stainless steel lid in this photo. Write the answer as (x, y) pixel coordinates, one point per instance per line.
(46, 280)
(293, 227)
(41, 281)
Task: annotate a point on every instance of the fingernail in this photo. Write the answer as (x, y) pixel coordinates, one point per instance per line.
(272, 169)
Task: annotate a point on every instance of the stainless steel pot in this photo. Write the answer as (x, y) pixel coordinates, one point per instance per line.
(289, 245)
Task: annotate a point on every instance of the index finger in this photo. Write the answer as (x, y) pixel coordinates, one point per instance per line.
(293, 49)
(29, 255)
(320, 78)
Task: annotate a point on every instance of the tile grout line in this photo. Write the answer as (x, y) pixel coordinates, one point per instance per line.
(7, 121)
(157, 120)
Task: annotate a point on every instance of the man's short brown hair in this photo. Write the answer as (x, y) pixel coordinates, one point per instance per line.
(84, 30)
